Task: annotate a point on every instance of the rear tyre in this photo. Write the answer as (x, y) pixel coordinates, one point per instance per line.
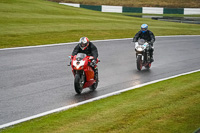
(78, 83)
(148, 66)
(94, 86)
(139, 62)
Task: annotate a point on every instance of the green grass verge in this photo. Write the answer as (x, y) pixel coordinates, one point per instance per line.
(170, 106)
(28, 23)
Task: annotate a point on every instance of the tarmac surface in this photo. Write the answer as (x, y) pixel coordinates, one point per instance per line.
(35, 80)
(190, 20)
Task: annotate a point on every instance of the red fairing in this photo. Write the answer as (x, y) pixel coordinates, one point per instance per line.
(82, 66)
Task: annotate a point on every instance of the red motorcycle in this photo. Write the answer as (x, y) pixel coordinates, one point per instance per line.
(83, 73)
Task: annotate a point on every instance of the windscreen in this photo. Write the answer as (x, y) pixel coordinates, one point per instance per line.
(80, 56)
(141, 41)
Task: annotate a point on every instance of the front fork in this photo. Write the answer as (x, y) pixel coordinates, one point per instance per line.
(145, 57)
(82, 75)
(141, 55)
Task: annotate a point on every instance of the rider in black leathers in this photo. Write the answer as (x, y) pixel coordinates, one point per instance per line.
(148, 36)
(87, 47)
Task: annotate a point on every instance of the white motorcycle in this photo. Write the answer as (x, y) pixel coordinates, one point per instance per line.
(142, 54)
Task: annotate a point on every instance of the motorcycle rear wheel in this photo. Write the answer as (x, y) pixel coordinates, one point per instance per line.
(139, 62)
(94, 86)
(148, 66)
(78, 84)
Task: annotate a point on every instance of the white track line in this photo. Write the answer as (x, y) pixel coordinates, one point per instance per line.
(90, 100)
(60, 44)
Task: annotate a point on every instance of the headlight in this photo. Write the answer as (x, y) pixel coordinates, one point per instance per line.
(139, 48)
(79, 67)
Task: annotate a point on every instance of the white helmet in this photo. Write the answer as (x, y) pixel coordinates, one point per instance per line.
(83, 43)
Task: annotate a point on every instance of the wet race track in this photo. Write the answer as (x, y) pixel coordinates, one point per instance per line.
(36, 80)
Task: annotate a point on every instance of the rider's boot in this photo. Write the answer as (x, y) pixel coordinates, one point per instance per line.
(151, 53)
(96, 77)
(152, 60)
(151, 56)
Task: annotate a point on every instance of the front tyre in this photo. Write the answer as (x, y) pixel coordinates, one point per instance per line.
(139, 62)
(78, 83)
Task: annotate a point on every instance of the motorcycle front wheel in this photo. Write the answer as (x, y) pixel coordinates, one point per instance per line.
(139, 62)
(78, 83)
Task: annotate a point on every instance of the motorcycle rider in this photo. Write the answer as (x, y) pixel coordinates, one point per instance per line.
(148, 36)
(87, 47)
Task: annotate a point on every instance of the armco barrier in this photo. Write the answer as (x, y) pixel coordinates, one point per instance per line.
(117, 9)
(152, 10)
(146, 10)
(173, 11)
(71, 4)
(96, 8)
(132, 9)
(191, 11)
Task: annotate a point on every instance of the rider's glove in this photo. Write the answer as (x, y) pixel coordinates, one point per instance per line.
(93, 63)
(71, 58)
(150, 43)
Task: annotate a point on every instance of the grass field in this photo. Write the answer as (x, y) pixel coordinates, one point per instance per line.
(139, 3)
(170, 106)
(28, 23)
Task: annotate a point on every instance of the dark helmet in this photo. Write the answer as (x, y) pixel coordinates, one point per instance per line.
(144, 28)
(83, 43)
